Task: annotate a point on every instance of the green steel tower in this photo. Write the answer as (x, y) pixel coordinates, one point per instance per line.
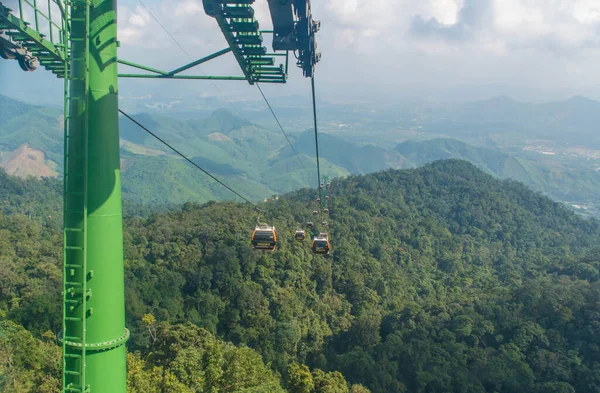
(94, 311)
(83, 51)
(82, 48)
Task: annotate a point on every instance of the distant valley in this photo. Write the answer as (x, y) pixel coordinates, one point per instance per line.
(257, 161)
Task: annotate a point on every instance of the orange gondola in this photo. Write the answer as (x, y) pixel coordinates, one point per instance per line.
(300, 235)
(264, 237)
(321, 244)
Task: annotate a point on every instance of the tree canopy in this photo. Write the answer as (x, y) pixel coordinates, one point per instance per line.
(441, 279)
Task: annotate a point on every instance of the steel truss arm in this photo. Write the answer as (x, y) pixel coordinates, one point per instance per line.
(266, 74)
(167, 76)
(171, 74)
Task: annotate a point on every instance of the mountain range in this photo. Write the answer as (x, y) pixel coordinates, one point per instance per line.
(257, 161)
(496, 121)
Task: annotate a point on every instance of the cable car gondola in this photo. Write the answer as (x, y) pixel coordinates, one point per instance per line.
(325, 224)
(321, 245)
(315, 213)
(325, 211)
(300, 235)
(310, 225)
(264, 237)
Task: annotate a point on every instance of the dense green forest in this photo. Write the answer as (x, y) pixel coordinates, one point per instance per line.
(441, 279)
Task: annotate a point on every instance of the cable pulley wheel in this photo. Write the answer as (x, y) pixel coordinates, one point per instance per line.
(28, 63)
(7, 53)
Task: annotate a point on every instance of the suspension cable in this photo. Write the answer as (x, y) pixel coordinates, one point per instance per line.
(230, 102)
(261, 92)
(280, 126)
(312, 82)
(187, 159)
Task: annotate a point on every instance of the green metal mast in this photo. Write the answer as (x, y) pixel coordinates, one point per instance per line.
(94, 313)
(83, 51)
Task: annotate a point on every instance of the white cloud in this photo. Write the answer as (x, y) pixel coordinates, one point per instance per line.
(446, 11)
(141, 18)
(565, 24)
(188, 8)
(263, 15)
(133, 24)
(515, 14)
(474, 40)
(587, 12)
(371, 45)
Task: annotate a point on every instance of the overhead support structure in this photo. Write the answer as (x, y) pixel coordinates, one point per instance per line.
(24, 43)
(241, 30)
(261, 69)
(294, 29)
(82, 48)
(174, 74)
(187, 77)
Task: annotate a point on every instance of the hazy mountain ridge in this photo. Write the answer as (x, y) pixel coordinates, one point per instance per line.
(496, 120)
(510, 123)
(258, 160)
(560, 181)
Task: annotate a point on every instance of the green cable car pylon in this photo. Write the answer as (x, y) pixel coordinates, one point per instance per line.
(82, 49)
(94, 318)
(77, 40)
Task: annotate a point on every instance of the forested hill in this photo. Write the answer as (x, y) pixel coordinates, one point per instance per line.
(29, 196)
(441, 279)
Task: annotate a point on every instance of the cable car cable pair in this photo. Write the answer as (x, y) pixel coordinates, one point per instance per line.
(264, 237)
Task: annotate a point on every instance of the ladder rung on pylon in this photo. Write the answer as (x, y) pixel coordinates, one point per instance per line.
(75, 293)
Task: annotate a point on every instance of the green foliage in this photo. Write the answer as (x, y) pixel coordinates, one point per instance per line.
(179, 183)
(300, 379)
(427, 267)
(332, 382)
(30, 273)
(38, 199)
(144, 378)
(441, 279)
(27, 365)
(358, 388)
(186, 358)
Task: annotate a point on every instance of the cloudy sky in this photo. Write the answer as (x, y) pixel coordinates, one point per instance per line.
(381, 47)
